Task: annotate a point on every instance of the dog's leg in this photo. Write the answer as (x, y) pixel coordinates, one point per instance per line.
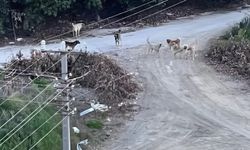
(116, 42)
(79, 32)
(120, 39)
(193, 55)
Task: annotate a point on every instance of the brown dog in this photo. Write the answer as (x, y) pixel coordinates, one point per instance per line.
(175, 44)
(71, 45)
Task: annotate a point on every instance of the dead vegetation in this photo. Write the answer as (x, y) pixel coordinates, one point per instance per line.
(111, 83)
(231, 57)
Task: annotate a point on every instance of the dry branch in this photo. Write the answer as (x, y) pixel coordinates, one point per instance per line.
(111, 83)
(232, 57)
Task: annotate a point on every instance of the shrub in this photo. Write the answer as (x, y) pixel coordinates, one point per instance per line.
(94, 124)
(240, 31)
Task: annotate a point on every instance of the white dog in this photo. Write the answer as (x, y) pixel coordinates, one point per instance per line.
(188, 50)
(152, 47)
(77, 28)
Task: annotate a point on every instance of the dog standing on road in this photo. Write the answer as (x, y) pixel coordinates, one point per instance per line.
(71, 45)
(188, 50)
(76, 29)
(175, 44)
(152, 47)
(117, 36)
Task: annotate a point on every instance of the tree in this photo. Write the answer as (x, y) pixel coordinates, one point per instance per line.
(95, 6)
(4, 11)
(37, 11)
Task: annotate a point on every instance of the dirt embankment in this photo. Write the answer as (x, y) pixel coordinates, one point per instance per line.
(230, 57)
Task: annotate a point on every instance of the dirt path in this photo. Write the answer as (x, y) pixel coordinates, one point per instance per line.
(186, 105)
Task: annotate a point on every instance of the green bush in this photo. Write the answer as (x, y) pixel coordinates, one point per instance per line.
(35, 12)
(8, 109)
(41, 82)
(94, 124)
(240, 31)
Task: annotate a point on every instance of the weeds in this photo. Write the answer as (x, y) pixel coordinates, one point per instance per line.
(240, 31)
(94, 124)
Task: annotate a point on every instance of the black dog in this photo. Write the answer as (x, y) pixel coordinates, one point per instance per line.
(71, 45)
(117, 36)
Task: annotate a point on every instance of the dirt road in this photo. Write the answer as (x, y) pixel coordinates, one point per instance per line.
(186, 105)
(202, 27)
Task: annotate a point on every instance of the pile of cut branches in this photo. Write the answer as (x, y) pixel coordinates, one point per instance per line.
(231, 57)
(111, 83)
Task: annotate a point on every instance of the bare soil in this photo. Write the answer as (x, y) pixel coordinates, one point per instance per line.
(185, 105)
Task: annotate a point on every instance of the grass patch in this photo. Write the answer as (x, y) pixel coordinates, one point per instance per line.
(94, 124)
(41, 82)
(240, 31)
(2, 73)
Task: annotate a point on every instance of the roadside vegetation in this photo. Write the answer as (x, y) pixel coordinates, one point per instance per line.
(15, 103)
(94, 124)
(26, 16)
(231, 52)
(104, 78)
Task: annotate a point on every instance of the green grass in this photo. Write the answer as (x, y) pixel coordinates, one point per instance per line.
(41, 82)
(8, 109)
(2, 74)
(240, 31)
(94, 124)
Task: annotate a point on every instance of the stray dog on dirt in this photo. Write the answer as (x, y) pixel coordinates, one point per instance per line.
(117, 36)
(188, 50)
(71, 45)
(77, 28)
(152, 47)
(175, 44)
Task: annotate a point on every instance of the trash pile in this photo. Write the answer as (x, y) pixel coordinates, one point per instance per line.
(231, 57)
(111, 83)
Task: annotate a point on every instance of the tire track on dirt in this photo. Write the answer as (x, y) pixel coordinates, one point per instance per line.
(181, 114)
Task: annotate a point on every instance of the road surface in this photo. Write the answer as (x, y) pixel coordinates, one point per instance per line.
(202, 27)
(185, 105)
